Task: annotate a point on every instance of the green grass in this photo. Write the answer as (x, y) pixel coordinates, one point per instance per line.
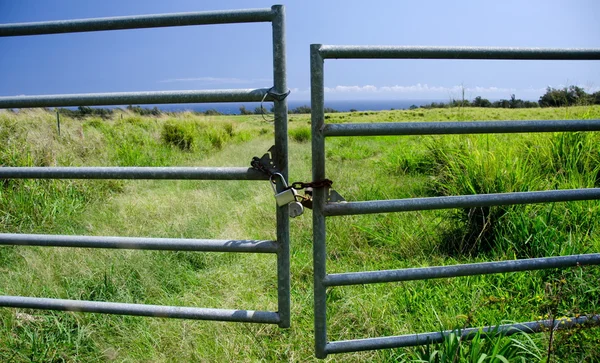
(365, 168)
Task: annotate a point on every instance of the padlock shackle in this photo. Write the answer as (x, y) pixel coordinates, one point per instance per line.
(273, 183)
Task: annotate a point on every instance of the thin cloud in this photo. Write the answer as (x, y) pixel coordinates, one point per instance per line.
(427, 89)
(216, 80)
(419, 88)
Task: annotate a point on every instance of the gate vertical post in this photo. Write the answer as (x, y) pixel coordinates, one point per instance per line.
(281, 161)
(317, 102)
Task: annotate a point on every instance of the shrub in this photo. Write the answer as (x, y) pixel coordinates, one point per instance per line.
(300, 134)
(177, 135)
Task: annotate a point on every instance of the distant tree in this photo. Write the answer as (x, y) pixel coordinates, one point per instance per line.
(553, 98)
(330, 110)
(85, 111)
(579, 95)
(301, 109)
(244, 111)
(460, 103)
(595, 98)
(212, 112)
(567, 96)
(481, 102)
(134, 109)
(436, 105)
(260, 110)
(501, 104)
(530, 104)
(155, 111)
(515, 102)
(412, 107)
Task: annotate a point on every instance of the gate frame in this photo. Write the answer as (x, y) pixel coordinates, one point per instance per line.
(322, 208)
(276, 16)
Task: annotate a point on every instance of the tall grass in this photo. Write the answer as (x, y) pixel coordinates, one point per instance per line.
(362, 169)
(500, 164)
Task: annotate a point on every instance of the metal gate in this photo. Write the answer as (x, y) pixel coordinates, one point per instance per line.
(279, 247)
(322, 208)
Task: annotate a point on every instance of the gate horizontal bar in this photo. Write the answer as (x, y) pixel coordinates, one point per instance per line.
(470, 269)
(159, 311)
(460, 201)
(410, 340)
(129, 98)
(140, 243)
(479, 127)
(133, 172)
(137, 22)
(415, 52)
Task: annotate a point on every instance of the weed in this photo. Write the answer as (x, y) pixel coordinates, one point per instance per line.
(493, 346)
(300, 134)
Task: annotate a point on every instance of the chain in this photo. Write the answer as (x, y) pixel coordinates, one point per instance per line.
(324, 183)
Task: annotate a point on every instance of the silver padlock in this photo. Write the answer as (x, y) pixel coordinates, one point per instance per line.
(287, 196)
(295, 209)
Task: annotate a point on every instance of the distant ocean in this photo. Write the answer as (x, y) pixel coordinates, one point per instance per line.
(347, 105)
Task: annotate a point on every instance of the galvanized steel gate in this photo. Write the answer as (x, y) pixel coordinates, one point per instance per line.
(280, 247)
(322, 208)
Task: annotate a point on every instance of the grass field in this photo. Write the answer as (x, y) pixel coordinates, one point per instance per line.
(365, 168)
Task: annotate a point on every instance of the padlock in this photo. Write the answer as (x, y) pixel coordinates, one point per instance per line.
(295, 209)
(287, 196)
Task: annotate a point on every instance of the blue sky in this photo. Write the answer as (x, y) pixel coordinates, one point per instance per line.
(239, 55)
